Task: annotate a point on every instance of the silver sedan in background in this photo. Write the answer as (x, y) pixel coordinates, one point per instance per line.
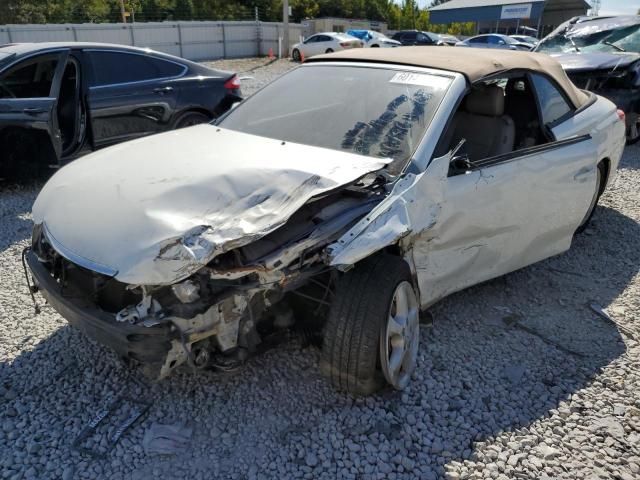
(494, 40)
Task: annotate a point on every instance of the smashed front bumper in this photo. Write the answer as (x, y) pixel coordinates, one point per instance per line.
(146, 345)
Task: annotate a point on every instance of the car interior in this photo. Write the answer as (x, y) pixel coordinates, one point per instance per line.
(496, 117)
(34, 79)
(69, 107)
(31, 79)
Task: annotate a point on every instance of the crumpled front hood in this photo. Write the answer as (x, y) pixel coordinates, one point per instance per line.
(574, 62)
(157, 209)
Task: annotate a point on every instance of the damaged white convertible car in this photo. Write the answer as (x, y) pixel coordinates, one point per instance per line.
(343, 198)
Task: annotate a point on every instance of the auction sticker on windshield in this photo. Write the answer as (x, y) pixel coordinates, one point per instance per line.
(423, 79)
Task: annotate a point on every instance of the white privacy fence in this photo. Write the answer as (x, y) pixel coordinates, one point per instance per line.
(191, 40)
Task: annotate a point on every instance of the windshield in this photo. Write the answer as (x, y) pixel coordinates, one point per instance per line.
(625, 39)
(371, 111)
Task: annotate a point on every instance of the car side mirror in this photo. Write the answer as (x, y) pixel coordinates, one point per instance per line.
(460, 164)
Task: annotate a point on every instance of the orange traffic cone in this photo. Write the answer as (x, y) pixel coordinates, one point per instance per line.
(301, 56)
(271, 54)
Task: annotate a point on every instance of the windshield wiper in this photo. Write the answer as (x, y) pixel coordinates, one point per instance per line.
(620, 49)
(574, 44)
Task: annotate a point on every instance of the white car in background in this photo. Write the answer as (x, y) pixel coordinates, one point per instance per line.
(325, 42)
(373, 39)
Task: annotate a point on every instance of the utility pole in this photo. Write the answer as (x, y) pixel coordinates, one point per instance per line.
(124, 17)
(285, 29)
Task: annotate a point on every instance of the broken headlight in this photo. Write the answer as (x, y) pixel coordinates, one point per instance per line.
(186, 292)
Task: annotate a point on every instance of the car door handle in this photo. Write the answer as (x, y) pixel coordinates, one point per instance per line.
(163, 90)
(33, 110)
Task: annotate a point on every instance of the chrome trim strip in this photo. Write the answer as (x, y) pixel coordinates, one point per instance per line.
(137, 82)
(75, 258)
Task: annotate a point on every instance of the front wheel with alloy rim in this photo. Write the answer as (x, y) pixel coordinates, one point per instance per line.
(372, 333)
(296, 55)
(600, 176)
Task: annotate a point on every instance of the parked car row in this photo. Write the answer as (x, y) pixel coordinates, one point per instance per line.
(58, 100)
(327, 42)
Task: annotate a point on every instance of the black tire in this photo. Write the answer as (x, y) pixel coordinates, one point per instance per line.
(296, 55)
(190, 119)
(633, 133)
(600, 184)
(329, 50)
(360, 308)
(375, 46)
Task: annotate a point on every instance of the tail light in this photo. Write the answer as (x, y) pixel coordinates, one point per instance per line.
(621, 114)
(233, 83)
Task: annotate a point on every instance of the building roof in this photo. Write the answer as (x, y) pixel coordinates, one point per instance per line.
(451, 4)
(473, 63)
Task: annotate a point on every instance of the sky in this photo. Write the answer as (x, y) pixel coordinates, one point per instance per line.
(607, 7)
(619, 7)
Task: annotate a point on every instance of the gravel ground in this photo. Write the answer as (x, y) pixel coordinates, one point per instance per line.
(259, 71)
(519, 378)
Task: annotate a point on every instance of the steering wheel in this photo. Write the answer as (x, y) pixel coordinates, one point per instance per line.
(4, 88)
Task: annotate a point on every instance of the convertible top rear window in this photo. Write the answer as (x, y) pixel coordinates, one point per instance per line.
(371, 111)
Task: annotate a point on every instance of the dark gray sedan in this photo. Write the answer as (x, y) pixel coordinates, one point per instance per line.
(59, 100)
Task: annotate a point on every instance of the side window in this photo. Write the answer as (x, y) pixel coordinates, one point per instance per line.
(423, 38)
(29, 79)
(166, 69)
(312, 39)
(409, 36)
(325, 38)
(113, 67)
(493, 40)
(552, 104)
(478, 40)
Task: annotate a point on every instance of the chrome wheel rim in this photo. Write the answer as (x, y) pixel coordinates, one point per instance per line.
(594, 199)
(400, 337)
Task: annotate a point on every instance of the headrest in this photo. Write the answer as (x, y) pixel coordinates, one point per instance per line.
(487, 100)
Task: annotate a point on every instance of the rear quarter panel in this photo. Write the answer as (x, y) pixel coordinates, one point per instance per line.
(200, 93)
(601, 121)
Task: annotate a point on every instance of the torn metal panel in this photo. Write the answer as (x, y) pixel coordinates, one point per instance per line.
(464, 229)
(157, 220)
(412, 207)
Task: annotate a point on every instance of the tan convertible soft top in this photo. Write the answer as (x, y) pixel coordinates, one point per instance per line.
(474, 63)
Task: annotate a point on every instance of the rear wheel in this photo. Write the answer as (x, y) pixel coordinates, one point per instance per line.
(633, 133)
(372, 333)
(329, 50)
(375, 46)
(296, 55)
(190, 119)
(600, 176)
